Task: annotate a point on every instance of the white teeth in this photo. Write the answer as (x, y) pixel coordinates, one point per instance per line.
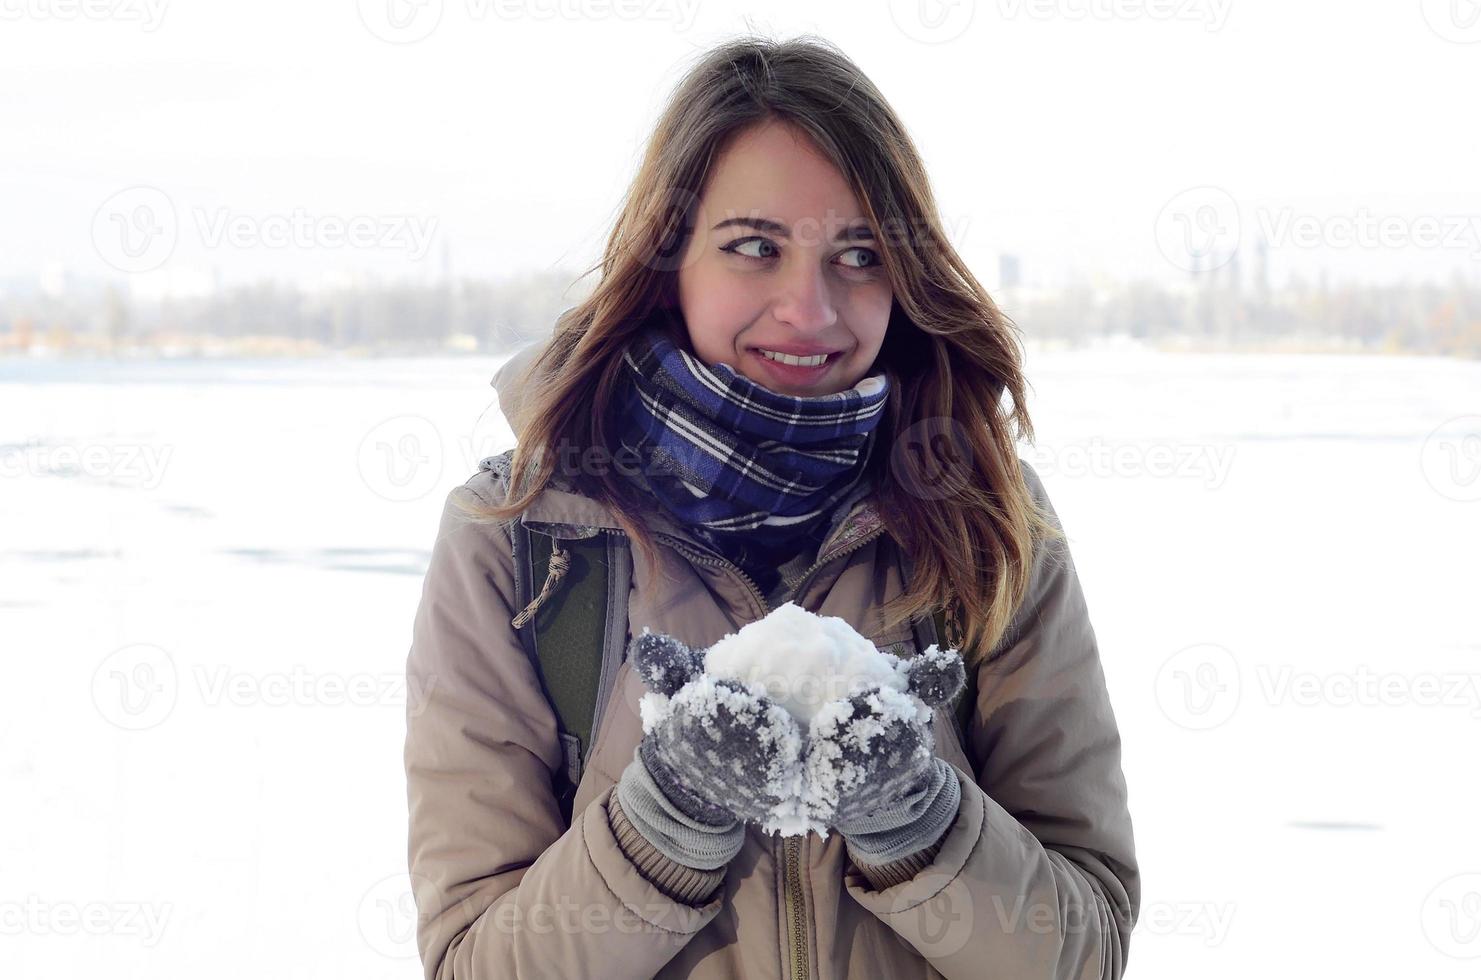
(811, 361)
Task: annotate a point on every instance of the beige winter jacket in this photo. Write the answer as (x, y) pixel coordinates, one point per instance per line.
(1037, 877)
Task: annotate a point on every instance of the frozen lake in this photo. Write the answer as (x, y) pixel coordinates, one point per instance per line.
(210, 570)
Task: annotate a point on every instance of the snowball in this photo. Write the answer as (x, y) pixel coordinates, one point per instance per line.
(810, 666)
(804, 661)
(826, 776)
(701, 699)
(653, 708)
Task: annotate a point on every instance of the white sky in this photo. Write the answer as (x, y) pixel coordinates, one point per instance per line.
(1055, 130)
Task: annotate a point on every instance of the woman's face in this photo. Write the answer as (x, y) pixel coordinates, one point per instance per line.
(779, 261)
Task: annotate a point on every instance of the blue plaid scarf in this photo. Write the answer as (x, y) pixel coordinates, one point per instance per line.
(734, 460)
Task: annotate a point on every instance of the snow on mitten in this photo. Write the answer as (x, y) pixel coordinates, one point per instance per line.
(869, 753)
(719, 749)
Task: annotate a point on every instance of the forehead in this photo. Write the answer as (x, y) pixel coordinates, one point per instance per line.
(774, 171)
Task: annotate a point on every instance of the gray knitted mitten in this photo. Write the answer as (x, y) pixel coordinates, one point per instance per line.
(894, 797)
(720, 756)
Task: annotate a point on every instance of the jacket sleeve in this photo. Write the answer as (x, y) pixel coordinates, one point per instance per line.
(502, 888)
(1038, 874)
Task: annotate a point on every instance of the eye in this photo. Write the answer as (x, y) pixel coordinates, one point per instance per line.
(736, 246)
(865, 260)
(871, 260)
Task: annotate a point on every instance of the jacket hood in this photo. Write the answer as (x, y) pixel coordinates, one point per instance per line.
(559, 510)
(510, 381)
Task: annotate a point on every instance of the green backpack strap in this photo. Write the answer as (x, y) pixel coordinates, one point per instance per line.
(576, 634)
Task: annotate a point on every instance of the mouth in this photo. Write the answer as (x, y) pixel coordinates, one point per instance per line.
(792, 368)
(796, 360)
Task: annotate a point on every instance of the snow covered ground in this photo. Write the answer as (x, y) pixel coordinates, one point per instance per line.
(209, 572)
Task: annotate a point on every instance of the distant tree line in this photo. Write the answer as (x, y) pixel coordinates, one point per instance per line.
(490, 317)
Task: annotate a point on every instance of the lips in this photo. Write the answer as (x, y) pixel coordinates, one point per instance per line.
(783, 357)
(800, 350)
(781, 373)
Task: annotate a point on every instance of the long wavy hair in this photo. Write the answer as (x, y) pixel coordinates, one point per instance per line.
(947, 478)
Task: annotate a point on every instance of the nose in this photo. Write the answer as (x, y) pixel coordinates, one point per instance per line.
(804, 302)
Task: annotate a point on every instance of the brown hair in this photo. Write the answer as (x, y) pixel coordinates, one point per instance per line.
(950, 352)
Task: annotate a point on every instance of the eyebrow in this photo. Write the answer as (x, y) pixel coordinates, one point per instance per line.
(858, 231)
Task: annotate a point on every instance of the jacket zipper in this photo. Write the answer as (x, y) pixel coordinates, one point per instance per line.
(793, 896)
(796, 906)
(706, 558)
(793, 900)
(824, 562)
(796, 898)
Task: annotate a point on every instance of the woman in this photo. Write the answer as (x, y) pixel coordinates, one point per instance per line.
(780, 215)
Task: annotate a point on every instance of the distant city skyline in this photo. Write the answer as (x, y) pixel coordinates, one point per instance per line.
(1249, 264)
(1059, 133)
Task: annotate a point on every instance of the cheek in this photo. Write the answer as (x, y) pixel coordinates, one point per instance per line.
(870, 315)
(716, 309)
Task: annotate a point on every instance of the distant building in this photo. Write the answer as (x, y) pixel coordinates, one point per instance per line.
(1262, 267)
(1008, 274)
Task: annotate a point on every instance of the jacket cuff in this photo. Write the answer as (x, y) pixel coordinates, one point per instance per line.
(668, 828)
(683, 884)
(882, 876)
